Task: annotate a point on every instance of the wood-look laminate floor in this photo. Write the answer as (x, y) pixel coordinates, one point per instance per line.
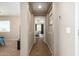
(40, 48)
(10, 48)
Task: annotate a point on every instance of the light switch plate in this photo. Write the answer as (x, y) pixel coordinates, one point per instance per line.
(68, 30)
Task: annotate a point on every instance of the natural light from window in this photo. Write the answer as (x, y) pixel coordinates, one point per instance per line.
(5, 26)
(38, 27)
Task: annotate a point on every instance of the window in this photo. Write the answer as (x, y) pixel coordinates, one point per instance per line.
(5, 26)
(38, 27)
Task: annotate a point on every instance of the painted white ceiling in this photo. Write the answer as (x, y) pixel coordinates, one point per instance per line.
(36, 10)
(9, 8)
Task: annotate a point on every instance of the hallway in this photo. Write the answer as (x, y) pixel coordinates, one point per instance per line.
(40, 48)
(55, 21)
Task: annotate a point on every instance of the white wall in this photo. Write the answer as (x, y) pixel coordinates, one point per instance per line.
(77, 28)
(67, 19)
(27, 29)
(52, 30)
(14, 27)
(31, 31)
(55, 28)
(63, 17)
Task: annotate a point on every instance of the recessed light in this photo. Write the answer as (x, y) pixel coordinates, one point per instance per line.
(39, 6)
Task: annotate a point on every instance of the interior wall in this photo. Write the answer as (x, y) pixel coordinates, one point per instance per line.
(77, 29)
(61, 39)
(55, 29)
(67, 29)
(52, 29)
(14, 27)
(48, 32)
(27, 29)
(77, 4)
(31, 31)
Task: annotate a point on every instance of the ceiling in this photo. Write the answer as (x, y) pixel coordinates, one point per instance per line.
(9, 8)
(40, 11)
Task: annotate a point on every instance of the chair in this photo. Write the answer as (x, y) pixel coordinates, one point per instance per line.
(2, 42)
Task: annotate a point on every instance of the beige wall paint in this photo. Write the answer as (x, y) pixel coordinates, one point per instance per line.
(27, 29)
(14, 27)
(59, 40)
(66, 41)
(52, 30)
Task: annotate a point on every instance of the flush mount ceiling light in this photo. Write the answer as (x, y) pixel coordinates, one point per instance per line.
(39, 6)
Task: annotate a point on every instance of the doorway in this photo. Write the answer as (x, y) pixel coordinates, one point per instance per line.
(39, 27)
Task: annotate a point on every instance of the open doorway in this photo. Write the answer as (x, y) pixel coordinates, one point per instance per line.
(9, 28)
(39, 27)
